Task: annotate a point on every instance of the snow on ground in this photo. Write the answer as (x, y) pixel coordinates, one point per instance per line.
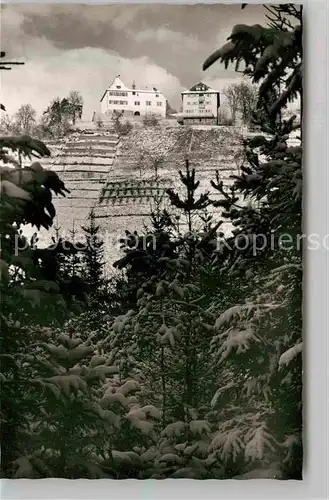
(88, 159)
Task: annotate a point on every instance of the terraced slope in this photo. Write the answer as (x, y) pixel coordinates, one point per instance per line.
(130, 173)
(133, 171)
(83, 162)
(134, 182)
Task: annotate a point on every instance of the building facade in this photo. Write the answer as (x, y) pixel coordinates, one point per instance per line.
(200, 105)
(132, 101)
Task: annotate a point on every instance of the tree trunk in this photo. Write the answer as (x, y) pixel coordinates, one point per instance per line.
(164, 389)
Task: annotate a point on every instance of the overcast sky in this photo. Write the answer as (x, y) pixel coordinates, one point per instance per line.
(83, 47)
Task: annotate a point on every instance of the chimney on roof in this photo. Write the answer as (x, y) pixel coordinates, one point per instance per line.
(134, 85)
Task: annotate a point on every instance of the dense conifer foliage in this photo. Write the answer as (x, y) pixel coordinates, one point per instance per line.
(187, 363)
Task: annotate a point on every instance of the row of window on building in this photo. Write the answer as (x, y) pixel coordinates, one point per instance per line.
(124, 94)
(136, 103)
(193, 96)
(193, 103)
(200, 110)
(202, 106)
(123, 103)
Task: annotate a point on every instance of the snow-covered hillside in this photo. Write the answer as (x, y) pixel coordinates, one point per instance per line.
(135, 169)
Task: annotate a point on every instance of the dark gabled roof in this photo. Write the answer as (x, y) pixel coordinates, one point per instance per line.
(200, 85)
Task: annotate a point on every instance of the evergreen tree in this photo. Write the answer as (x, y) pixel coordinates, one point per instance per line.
(30, 294)
(93, 263)
(166, 339)
(26, 195)
(259, 339)
(62, 113)
(144, 251)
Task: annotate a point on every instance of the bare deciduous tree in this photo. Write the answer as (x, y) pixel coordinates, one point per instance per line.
(242, 98)
(75, 105)
(232, 100)
(25, 118)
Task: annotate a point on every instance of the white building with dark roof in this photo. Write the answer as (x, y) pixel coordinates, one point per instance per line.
(200, 105)
(132, 101)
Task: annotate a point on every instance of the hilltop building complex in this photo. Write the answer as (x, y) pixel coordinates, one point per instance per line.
(132, 101)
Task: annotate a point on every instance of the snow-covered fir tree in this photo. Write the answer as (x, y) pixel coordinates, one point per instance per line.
(187, 363)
